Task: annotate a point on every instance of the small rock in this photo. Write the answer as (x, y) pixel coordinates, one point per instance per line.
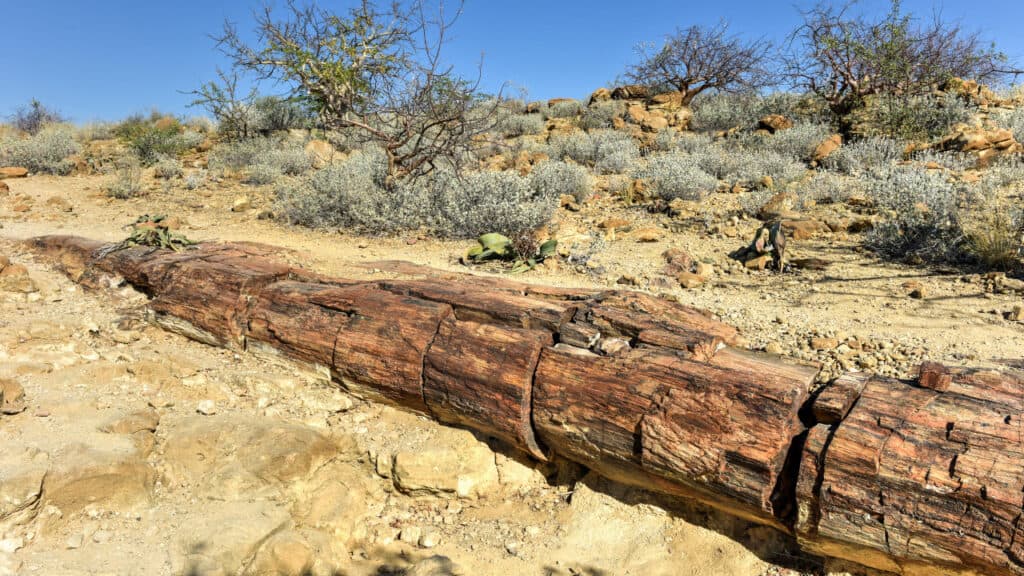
(101, 536)
(60, 203)
(14, 278)
(1016, 314)
(915, 289)
(75, 541)
(429, 539)
(206, 407)
(614, 224)
(820, 344)
(241, 204)
(704, 269)
(647, 235)
(410, 535)
(13, 172)
(759, 263)
(689, 280)
(512, 548)
(12, 397)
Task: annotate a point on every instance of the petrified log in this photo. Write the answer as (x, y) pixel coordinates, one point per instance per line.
(913, 478)
(916, 477)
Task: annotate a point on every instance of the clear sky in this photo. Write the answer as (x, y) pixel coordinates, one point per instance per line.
(105, 59)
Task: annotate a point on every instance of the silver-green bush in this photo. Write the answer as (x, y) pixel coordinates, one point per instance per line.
(564, 109)
(921, 214)
(860, 156)
(552, 178)
(676, 175)
(521, 124)
(608, 151)
(600, 115)
(167, 167)
(353, 194)
(44, 152)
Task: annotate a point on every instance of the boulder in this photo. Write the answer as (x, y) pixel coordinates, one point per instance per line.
(630, 92)
(14, 278)
(13, 172)
(466, 470)
(600, 95)
(826, 148)
(774, 123)
(229, 457)
(804, 229)
(231, 534)
(112, 473)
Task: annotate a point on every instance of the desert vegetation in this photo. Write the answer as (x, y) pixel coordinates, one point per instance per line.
(377, 134)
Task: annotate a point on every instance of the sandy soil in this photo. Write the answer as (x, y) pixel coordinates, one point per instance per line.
(86, 360)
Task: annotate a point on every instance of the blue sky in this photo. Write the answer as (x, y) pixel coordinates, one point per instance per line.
(106, 59)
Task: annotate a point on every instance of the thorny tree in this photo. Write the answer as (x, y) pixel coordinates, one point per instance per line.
(375, 73)
(698, 58)
(844, 57)
(221, 98)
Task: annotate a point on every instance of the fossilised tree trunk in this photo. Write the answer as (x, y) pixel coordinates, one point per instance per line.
(913, 477)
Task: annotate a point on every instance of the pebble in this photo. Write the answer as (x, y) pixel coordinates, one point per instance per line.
(75, 541)
(206, 408)
(429, 539)
(410, 534)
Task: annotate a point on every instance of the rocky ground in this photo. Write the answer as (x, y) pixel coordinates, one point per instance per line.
(128, 450)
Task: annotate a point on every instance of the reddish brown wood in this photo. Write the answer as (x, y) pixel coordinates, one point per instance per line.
(211, 291)
(725, 428)
(721, 434)
(914, 478)
(646, 319)
(474, 302)
(836, 399)
(934, 376)
(380, 349)
(481, 375)
(284, 318)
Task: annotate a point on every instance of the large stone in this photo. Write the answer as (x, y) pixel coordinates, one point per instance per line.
(113, 474)
(466, 470)
(21, 485)
(284, 554)
(13, 172)
(827, 147)
(229, 457)
(231, 534)
(14, 278)
(774, 123)
(336, 501)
